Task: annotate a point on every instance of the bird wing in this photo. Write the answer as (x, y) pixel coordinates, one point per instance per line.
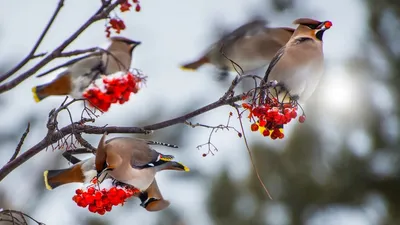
(249, 29)
(153, 191)
(116, 61)
(274, 61)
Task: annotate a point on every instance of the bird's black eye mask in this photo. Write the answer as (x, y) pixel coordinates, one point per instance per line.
(312, 26)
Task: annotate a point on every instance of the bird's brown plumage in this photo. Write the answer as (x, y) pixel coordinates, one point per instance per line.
(299, 64)
(78, 75)
(132, 161)
(250, 46)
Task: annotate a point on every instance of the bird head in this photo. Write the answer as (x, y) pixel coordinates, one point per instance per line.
(131, 43)
(106, 160)
(312, 27)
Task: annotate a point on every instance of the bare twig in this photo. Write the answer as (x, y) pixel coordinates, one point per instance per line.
(31, 54)
(101, 13)
(9, 215)
(251, 156)
(84, 143)
(214, 129)
(21, 142)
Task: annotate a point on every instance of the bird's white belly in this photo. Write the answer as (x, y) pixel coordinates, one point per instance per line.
(141, 179)
(302, 81)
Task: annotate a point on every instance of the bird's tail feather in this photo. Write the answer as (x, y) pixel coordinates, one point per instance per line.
(55, 178)
(196, 64)
(172, 165)
(38, 94)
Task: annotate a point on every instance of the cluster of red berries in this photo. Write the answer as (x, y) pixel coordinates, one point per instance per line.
(270, 117)
(117, 90)
(102, 201)
(126, 6)
(117, 24)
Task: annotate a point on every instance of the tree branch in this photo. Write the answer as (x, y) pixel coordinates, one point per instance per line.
(21, 142)
(101, 13)
(54, 135)
(31, 54)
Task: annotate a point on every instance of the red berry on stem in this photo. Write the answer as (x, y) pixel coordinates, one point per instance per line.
(265, 133)
(92, 208)
(137, 9)
(254, 127)
(302, 118)
(293, 114)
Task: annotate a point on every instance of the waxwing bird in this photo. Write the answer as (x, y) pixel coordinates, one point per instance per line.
(132, 161)
(250, 46)
(299, 65)
(78, 75)
(82, 172)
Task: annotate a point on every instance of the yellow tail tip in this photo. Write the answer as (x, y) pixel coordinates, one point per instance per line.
(46, 181)
(185, 168)
(187, 69)
(35, 96)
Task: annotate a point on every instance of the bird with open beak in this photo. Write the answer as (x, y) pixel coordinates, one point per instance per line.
(79, 74)
(298, 66)
(251, 46)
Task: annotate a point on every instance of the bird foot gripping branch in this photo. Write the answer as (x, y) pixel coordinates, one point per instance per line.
(113, 89)
(101, 199)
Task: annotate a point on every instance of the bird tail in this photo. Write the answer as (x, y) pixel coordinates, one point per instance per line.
(196, 64)
(59, 86)
(172, 165)
(38, 92)
(55, 178)
(153, 204)
(162, 144)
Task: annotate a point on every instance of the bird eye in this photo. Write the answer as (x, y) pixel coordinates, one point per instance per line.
(312, 26)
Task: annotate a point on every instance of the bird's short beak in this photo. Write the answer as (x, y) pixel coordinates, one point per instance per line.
(99, 174)
(135, 43)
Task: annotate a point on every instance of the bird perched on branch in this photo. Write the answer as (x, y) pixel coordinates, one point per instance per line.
(132, 161)
(78, 75)
(250, 47)
(84, 171)
(299, 65)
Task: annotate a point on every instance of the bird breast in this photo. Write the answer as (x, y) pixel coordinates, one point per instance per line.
(139, 178)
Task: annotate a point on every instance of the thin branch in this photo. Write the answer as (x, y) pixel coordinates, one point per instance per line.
(251, 156)
(84, 143)
(101, 13)
(31, 54)
(10, 213)
(21, 142)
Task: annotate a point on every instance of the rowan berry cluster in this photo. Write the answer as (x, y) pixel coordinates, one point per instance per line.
(112, 90)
